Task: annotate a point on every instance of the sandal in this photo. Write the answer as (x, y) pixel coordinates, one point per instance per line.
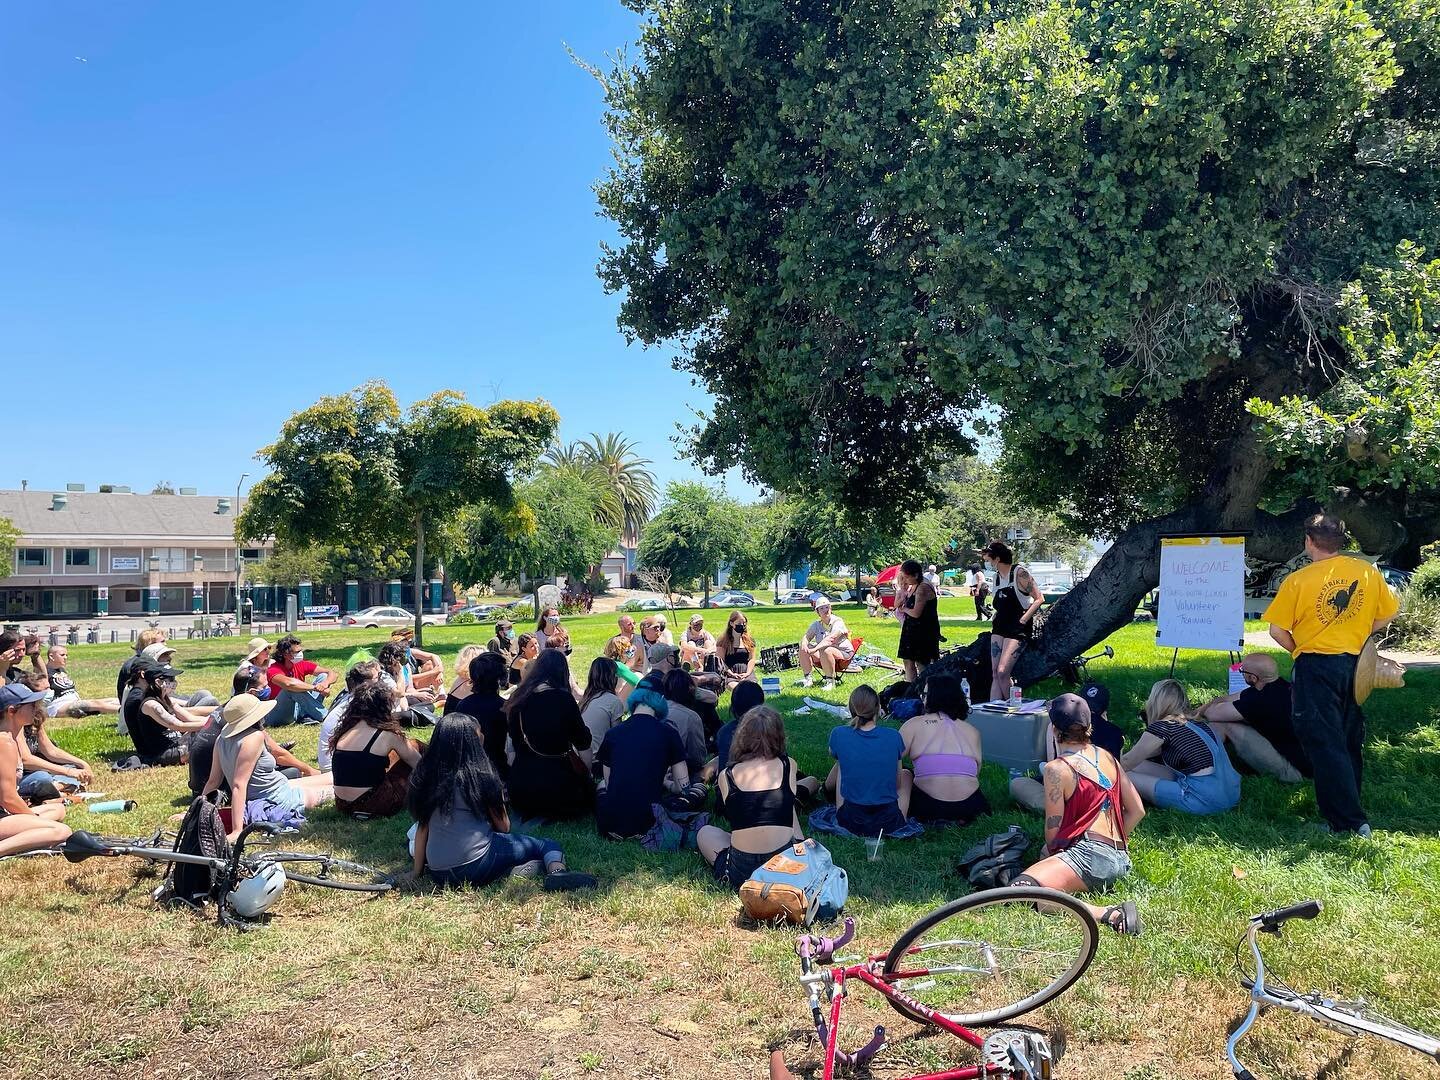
(1128, 921)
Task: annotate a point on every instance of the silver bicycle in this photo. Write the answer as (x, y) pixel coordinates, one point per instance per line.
(1353, 1018)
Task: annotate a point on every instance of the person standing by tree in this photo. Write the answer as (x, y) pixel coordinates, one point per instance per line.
(1323, 614)
(920, 629)
(1017, 601)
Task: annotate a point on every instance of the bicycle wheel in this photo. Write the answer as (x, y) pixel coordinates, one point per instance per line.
(991, 956)
(327, 871)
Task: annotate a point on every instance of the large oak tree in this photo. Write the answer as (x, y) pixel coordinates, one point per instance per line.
(864, 223)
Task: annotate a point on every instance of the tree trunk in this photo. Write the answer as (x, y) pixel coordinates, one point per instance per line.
(705, 590)
(419, 578)
(857, 579)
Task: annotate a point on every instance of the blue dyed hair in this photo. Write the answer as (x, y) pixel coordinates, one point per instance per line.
(651, 699)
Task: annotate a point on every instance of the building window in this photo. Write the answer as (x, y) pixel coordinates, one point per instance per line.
(251, 554)
(172, 560)
(132, 596)
(32, 557)
(80, 557)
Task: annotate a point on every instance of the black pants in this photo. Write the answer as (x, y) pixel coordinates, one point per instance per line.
(982, 609)
(1331, 728)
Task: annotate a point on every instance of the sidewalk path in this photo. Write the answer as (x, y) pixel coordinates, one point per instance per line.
(1259, 639)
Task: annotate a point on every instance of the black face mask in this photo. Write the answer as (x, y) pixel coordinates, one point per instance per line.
(739, 628)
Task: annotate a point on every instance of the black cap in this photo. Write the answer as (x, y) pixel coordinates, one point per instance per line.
(160, 671)
(1070, 712)
(1098, 698)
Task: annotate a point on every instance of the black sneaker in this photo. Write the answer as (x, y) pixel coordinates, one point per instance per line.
(567, 880)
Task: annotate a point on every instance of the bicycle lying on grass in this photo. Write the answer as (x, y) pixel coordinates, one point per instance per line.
(979, 961)
(1352, 1018)
(244, 885)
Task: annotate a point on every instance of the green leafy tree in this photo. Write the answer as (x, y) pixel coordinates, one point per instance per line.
(697, 530)
(163, 487)
(806, 529)
(1111, 224)
(553, 527)
(355, 469)
(627, 483)
(9, 538)
(288, 566)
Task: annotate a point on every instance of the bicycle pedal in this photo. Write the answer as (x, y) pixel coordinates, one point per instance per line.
(1020, 1053)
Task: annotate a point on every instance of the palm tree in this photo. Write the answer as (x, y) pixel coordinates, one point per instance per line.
(627, 474)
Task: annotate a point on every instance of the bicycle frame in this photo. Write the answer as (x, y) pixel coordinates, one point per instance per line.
(1322, 1010)
(831, 982)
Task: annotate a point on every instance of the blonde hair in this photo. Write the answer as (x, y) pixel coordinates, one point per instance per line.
(1167, 698)
(462, 660)
(148, 638)
(864, 705)
(615, 648)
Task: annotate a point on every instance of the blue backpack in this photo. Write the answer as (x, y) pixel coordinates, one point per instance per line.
(801, 884)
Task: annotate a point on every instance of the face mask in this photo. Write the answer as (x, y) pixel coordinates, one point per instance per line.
(296, 657)
(739, 628)
(552, 619)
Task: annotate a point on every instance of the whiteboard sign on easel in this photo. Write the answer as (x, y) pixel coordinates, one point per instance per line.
(1202, 592)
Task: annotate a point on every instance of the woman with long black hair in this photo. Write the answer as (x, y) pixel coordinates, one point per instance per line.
(548, 777)
(464, 835)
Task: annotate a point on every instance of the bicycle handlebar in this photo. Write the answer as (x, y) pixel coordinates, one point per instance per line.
(822, 950)
(1271, 921)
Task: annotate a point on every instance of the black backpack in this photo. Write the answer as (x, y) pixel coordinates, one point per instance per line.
(201, 833)
(970, 662)
(996, 860)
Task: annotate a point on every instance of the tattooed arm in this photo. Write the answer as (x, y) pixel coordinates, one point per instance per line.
(1055, 777)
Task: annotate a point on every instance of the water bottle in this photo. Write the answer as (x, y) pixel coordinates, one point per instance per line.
(965, 689)
(1016, 699)
(114, 806)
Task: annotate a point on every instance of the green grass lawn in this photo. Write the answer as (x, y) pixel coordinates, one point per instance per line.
(653, 975)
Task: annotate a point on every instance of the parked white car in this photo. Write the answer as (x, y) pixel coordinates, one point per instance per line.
(388, 616)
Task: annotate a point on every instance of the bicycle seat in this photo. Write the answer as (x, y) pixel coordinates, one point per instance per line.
(81, 845)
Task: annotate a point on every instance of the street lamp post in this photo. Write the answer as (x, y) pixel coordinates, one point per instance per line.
(200, 582)
(239, 557)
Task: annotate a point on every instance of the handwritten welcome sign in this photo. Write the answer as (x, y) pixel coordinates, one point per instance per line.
(1202, 592)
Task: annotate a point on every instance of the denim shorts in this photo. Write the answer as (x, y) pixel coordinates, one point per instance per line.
(1098, 865)
(1210, 794)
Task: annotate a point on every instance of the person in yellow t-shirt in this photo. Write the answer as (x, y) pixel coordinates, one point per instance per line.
(1323, 615)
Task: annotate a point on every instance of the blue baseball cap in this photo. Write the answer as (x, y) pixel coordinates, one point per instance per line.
(15, 694)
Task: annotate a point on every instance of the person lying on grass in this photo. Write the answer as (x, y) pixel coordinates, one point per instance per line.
(870, 784)
(464, 835)
(22, 827)
(66, 699)
(1090, 810)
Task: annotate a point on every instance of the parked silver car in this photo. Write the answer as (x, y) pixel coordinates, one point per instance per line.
(388, 616)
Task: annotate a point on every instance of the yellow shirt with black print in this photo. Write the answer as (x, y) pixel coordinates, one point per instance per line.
(1330, 606)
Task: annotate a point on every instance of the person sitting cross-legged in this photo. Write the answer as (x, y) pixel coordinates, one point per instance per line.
(370, 757)
(486, 708)
(548, 734)
(464, 835)
(757, 795)
(870, 784)
(258, 790)
(359, 673)
(1257, 721)
(642, 761)
(945, 751)
(1091, 808)
(826, 645)
(1193, 773)
(298, 686)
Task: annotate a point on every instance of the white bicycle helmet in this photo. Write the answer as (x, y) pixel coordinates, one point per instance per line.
(257, 893)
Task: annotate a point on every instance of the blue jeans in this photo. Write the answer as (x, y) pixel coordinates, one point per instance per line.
(31, 784)
(292, 705)
(507, 851)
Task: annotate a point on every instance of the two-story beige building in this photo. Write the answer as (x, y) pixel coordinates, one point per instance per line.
(85, 553)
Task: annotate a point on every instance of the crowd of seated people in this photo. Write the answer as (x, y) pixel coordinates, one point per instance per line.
(519, 738)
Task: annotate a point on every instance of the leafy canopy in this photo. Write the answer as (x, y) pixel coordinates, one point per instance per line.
(697, 530)
(1116, 223)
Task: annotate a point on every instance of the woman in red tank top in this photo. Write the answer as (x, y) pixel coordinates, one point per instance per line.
(1090, 809)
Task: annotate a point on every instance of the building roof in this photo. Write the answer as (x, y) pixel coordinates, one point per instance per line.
(120, 516)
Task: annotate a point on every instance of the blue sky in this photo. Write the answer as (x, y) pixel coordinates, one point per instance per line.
(225, 211)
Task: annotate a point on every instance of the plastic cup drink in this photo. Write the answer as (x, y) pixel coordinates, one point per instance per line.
(873, 844)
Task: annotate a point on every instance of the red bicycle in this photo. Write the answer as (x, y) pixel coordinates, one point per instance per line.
(976, 962)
